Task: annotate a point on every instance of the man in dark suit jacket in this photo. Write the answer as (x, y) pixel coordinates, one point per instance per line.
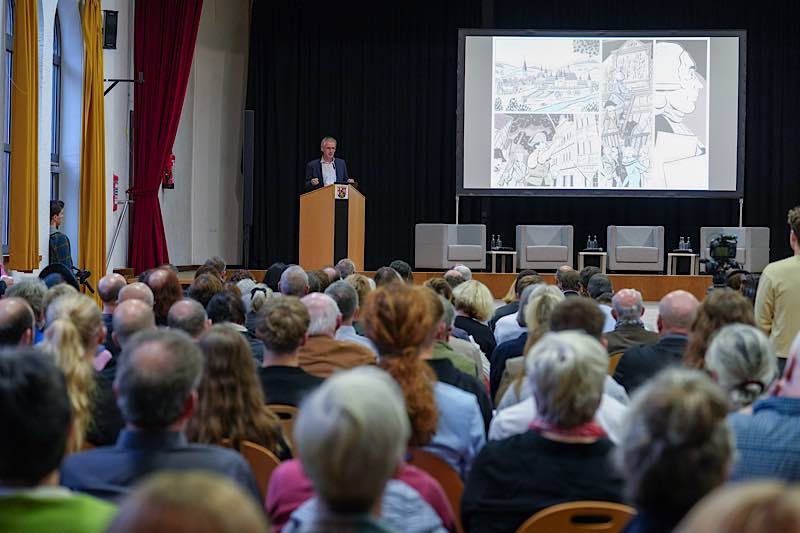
(676, 312)
(328, 169)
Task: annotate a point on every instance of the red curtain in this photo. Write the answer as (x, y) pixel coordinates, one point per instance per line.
(164, 39)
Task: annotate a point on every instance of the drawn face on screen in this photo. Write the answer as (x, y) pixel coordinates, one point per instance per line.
(676, 79)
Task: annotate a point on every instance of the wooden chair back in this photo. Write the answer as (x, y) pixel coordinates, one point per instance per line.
(613, 361)
(286, 414)
(444, 474)
(262, 461)
(579, 517)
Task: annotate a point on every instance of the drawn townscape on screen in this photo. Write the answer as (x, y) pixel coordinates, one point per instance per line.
(600, 113)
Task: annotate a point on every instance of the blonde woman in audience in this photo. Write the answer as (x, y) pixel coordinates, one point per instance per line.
(73, 334)
(756, 507)
(474, 307)
(363, 286)
(231, 402)
(57, 291)
(741, 360)
(721, 307)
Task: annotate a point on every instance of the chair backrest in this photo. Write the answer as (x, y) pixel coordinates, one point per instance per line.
(470, 234)
(444, 474)
(579, 517)
(286, 414)
(613, 361)
(546, 235)
(636, 236)
(262, 461)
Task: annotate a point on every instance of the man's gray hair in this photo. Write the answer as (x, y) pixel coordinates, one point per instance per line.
(294, 281)
(524, 298)
(137, 291)
(345, 296)
(567, 371)
(743, 361)
(345, 267)
(351, 447)
(326, 139)
(187, 315)
(465, 271)
(32, 290)
(324, 314)
(627, 303)
(157, 373)
(130, 317)
(449, 315)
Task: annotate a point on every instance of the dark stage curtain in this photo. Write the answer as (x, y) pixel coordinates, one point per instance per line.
(164, 39)
(384, 83)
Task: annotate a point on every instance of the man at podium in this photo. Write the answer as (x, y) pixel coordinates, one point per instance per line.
(328, 169)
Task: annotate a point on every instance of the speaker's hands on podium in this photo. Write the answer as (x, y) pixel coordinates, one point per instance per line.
(314, 181)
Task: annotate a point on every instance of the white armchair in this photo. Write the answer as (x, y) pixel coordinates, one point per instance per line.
(444, 245)
(544, 247)
(636, 248)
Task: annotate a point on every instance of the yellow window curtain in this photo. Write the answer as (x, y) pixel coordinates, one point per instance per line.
(92, 234)
(23, 194)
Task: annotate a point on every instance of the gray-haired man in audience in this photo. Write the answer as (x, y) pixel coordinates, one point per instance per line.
(627, 308)
(188, 316)
(346, 299)
(294, 282)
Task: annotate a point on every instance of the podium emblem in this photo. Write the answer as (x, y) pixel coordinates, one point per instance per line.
(342, 192)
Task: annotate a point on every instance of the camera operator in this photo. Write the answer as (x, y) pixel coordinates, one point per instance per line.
(60, 249)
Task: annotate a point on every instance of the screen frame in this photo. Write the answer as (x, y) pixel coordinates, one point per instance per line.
(463, 33)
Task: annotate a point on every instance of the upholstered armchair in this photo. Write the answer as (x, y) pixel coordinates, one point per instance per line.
(444, 245)
(636, 248)
(544, 247)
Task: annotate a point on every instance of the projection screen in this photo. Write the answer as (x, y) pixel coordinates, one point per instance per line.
(601, 113)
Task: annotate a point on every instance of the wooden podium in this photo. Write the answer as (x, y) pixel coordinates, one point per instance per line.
(331, 226)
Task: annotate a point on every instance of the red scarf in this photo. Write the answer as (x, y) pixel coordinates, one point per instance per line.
(589, 429)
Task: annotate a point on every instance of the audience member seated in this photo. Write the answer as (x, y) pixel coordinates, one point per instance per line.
(510, 327)
(108, 290)
(345, 267)
(464, 270)
(16, 322)
(294, 281)
(318, 281)
(600, 289)
(74, 332)
(231, 404)
(350, 449)
(440, 287)
(385, 275)
(403, 269)
(443, 350)
(31, 289)
(130, 317)
(227, 308)
(347, 301)
(676, 447)
(676, 314)
(273, 275)
(568, 280)
(321, 354)
(524, 278)
(768, 438)
(235, 276)
(509, 364)
(627, 308)
(209, 270)
(741, 360)
(36, 416)
(454, 278)
(254, 299)
(156, 387)
(189, 316)
(166, 291)
(563, 457)
(474, 306)
(363, 285)
(218, 264)
(205, 287)
(282, 326)
(136, 291)
(332, 273)
(721, 307)
(177, 502)
(402, 321)
(586, 274)
(57, 291)
(755, 507)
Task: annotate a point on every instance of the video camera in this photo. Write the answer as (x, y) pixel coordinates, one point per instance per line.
(722, 262)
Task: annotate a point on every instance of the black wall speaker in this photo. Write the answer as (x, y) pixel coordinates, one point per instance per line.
(110, 29)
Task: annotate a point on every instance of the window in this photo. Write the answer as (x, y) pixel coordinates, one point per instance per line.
(7, 117)
(55, 127)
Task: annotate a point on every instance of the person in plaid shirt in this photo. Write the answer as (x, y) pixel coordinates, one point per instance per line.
(60, 250)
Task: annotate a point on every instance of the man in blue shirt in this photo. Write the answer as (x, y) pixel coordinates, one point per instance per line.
(156, 387)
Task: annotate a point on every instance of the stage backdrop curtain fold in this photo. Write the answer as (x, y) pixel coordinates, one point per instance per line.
(164, 40)
(23, 231)
(92, 235)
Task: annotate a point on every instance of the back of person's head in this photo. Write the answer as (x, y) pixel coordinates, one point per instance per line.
(677, 311)
(217, 263)
(524, 298)
(137, 291)
(273, 275)
(35, 414)
(541, 303)
(751, 507)
(293, 281)
(386, 275)
(585, 275)
(676, 444)
(200, 502)
(721, 307)
(742, 361)
(204, 287)
(362, 284)
(16, 322)
(600, 288)
(324, 314)
(130, 317)
(560, 271)
(282, 324)
(158, 372)
(345, 267)
(578, 313)
(226, 307)
(166, 291)
(527, 281)
(449, 313)
(318, 281)
(332, 273)
(346, 298)
(32, 290)
(231, 401)
(350, 447)
(57, 291)
(189, 316)
(627, 305)
(109, 286)
(525, 272)
(403, 269)
(566, 371)
(454, 278)
(235, 276)
(475, 300)
(569, 280)
(255, 296)
(440, 287)
(465, 271)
